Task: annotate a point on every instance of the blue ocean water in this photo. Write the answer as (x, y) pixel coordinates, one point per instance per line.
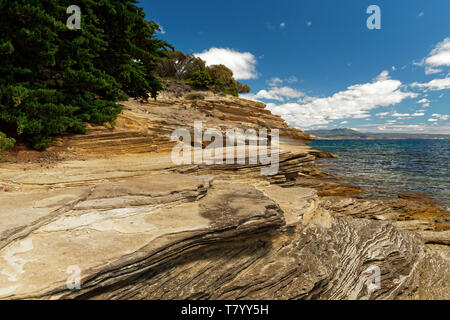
(388, 167)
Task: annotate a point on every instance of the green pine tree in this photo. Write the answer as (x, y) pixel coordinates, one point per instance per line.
(52, 79)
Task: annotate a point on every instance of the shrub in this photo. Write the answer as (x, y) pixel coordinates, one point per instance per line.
(201, 79)
(223, 79)
(195, 96)
(53, 79)
(222, 117)
(219, 72)
(242, 88)
(5, 143)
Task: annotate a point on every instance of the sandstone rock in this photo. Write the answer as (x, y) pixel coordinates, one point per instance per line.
(112, 205)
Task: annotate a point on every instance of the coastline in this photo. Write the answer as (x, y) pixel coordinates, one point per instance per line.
(132, 220)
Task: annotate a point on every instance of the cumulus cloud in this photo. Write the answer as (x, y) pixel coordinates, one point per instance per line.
(438, 57)
(434, 85)
(243, 64)
(283, 24)
(354, 102)
(278, 94)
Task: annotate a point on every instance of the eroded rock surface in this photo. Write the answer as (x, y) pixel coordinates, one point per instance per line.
(112, 206)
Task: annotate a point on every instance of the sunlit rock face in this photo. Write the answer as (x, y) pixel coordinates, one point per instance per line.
(108, 215)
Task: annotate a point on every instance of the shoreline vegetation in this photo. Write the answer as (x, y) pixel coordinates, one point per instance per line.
(55, 80)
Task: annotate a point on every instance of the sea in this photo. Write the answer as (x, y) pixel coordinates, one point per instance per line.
(384, 168)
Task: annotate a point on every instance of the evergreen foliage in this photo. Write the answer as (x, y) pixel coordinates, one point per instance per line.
(201, 79)
(52, 78)
(5, 143)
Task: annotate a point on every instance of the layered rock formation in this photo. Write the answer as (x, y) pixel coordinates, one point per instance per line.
(112, 207)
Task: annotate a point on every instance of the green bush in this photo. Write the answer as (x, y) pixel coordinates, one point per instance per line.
(223, 79)
(5, 143)
(52, 79)
(201, 79)
(219, 72)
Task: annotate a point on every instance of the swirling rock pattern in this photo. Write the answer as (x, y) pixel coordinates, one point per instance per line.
(124, 222)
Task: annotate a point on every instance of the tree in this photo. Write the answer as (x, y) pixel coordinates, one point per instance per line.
(219, 72)
(201, 79)
(52, 79)
(179, 65)
(223, 79)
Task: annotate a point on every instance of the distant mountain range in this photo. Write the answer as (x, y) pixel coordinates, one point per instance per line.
(349, 134)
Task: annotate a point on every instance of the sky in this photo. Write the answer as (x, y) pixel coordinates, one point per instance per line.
(318, 65)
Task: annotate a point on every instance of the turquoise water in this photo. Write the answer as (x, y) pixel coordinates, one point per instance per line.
(388, 167)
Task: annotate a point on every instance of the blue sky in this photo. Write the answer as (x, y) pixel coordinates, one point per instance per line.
(315, 62)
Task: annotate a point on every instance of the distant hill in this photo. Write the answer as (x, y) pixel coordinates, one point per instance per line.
(349, 134)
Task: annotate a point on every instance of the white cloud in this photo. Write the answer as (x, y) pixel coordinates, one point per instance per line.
(390, 127)
(421, 14)
(396, 114)
(434, 85)
(382, 114)
(161, 29)
(440, 116)
(344, 122)
(278, 94)
(437, 58)
(283, 24)
(440, 56)
(432, 120)
(308, 23)
(243, 64)
(384, 75)
(275, 82)
(354, 102)
(425, 102)
(418, 114)
(432, 70)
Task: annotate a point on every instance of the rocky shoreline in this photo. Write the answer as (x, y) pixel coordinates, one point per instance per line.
(112, 204)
